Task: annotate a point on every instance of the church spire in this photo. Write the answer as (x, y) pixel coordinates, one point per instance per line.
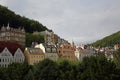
(8, 24)
(8, 27)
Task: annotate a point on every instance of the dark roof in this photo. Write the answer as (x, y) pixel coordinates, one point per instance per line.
(37, 50)
(11, 46)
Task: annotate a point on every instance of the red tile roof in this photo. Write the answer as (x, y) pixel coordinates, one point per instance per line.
(11, 46)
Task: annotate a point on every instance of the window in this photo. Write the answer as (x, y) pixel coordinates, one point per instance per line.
(5, 65)
(59, 51)
(3, 60)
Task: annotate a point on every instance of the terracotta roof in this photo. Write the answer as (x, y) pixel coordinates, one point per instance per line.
(11, 46)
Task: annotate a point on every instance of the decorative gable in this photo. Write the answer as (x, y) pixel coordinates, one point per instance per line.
(6, 52)
(18, 53)
(19, 56)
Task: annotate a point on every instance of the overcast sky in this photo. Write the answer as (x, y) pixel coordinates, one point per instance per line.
(81, 21)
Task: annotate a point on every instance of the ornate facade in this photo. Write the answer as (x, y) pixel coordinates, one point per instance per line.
(67, 51)
(12, 35)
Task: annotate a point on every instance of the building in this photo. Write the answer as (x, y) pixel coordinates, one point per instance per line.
(56, 37)
(77, 52)
(10, 54)
(6, 58)
(18, 56)
(84, 51)
(33, 55)
(67, 51)
(62, 41)
(48, 37)
(50, 51)
(12, 35)
(117, 46)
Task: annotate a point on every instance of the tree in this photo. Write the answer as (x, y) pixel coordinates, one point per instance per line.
(97, 68)
(16, 21)
(29, 75)
(3, 75)
(117, 57)
(26, 71)
(33, 38)
(66, 70)
(108, 41)
(14, 71)
(46, 70)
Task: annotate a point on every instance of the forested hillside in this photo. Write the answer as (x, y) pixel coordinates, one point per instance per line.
(109, 40)
(16, 20)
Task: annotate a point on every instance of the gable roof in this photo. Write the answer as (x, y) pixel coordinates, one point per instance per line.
(11, 46)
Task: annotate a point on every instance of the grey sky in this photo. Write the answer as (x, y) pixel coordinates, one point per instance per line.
(78, 20)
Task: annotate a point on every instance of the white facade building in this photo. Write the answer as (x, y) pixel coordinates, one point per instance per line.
(6, 57)
(19, 56)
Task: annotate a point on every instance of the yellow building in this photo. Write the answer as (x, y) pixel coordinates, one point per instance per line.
(33, 55)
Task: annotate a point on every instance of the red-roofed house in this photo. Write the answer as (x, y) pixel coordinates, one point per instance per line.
(10, 52)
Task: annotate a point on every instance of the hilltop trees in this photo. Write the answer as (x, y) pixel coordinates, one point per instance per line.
(16, 21)
(33, 38)
(108, 41)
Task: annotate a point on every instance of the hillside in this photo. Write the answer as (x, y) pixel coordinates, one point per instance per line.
(16, 21)
(108, 41)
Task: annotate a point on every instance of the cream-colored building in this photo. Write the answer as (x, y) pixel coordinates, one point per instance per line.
(33, 55)
(50, 51)
(12, 35)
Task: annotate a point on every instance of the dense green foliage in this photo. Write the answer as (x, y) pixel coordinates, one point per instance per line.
(109, 40)
(91, 68)
(33, 38)
(16, 21)
(117, 57)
